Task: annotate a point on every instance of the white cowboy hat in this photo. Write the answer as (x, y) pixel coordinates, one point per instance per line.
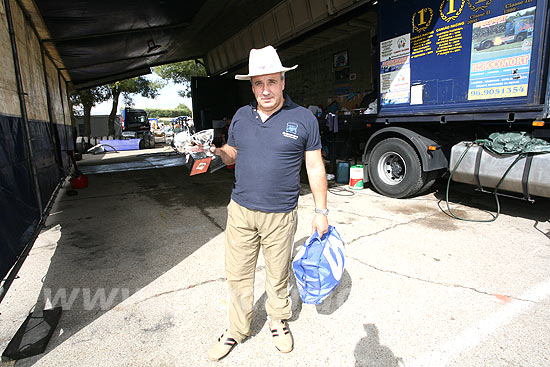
(263, 61)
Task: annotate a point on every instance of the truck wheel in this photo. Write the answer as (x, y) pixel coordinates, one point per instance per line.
(431, 177)
(520, 37)
(395, 169)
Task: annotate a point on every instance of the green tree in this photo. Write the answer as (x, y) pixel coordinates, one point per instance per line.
(128, 87)
(154, 112)
(85, 99)
(181, 73)
(183, 107)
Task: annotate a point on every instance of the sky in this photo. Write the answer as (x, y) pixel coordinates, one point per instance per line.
(168, 99)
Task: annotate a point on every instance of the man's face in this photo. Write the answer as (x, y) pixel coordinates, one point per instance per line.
(268, 90)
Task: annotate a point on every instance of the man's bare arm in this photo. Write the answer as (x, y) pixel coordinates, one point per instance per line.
(316, 174)
(227, 152)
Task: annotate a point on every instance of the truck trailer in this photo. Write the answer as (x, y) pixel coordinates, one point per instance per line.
(408, 80)
(438, 88)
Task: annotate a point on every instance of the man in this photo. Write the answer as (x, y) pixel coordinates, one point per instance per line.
(268, 140)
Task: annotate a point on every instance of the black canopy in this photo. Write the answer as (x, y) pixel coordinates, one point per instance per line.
(100, 41)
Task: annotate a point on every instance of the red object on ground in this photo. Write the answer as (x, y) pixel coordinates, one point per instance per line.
(80, 182)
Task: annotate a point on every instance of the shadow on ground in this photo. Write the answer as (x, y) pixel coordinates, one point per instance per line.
(123, 232)
(467, 195)
(338, 297)
(370, 353)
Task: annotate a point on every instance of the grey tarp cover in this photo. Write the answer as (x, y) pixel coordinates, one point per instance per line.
(515, 143)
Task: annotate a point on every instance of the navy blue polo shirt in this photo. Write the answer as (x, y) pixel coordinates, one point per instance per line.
(270, 154)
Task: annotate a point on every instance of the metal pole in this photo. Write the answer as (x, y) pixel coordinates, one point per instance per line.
(21, 93)
(59, 76)
(54, 135)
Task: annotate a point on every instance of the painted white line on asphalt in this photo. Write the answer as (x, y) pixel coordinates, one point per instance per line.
(444, 353)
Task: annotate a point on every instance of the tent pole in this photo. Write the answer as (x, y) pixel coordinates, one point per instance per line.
(59, 76)
(54, 135)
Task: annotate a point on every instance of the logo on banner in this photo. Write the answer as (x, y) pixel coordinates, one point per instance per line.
(476, 7)
(450, 10)
(401, 43)
(422, 19)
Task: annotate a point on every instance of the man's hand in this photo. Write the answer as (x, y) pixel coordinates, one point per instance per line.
(319, 224)
(226, 152)
(194, 148)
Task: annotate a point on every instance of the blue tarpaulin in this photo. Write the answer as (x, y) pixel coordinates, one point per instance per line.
(120, 144)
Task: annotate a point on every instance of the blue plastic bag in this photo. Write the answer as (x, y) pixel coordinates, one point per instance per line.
(319, 265)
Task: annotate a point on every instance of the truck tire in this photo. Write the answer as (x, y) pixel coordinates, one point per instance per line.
(520, 37)
(431, 177)
(395, 169)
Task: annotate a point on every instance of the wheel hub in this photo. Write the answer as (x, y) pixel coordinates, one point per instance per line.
(397, 168)
(391, 168)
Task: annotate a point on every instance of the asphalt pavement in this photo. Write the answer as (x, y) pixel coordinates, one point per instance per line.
(137, 262)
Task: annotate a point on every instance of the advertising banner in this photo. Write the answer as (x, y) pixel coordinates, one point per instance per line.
(462, 53)
(395, 71)
(501, 55)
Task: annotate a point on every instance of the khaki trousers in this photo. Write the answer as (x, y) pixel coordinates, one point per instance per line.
(248, 230)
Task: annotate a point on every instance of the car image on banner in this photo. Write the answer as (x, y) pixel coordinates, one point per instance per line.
(501, 56)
